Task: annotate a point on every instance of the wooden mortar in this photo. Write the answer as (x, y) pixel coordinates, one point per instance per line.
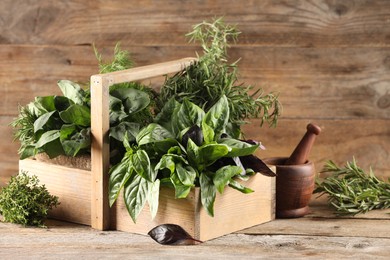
(295, 179)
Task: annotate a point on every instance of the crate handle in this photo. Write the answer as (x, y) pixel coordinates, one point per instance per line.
(100, 148)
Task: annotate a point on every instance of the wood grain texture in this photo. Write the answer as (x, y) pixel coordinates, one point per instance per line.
(340, 140)
(329, 60)
(304, 238)
(267, 23)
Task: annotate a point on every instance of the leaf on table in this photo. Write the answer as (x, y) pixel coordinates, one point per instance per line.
(171, 234)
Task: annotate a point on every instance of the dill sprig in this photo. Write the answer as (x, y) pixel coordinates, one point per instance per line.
(352, 191)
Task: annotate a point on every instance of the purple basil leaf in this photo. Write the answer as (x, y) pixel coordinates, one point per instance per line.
(171, 234)
(257, 165)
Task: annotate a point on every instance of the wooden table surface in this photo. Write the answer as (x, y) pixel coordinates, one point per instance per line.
(319, 235)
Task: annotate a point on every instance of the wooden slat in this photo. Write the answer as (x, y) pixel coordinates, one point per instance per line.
(70, 185)
(266, 23)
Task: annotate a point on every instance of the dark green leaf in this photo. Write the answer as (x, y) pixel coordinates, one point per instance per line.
(209, 153)
(48, 137)
(118, 132)
(208, 133)
(223, 175)
(186, 174)
(236, 185)
(218, 115)
(119, 174)
(76, 142)
(188, 115)
(164, 118)
(61, 103)
(207, 193)
(181, 190)
(45, 103)
(238, 148)
(28, 151)
(77, 114)
(153, 133)
(133, 100)
(42, 121)
(141, 164)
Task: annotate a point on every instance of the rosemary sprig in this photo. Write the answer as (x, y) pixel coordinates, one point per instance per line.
(212, 76)
(352, 191)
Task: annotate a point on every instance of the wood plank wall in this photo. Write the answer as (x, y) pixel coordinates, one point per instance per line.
(328, 59)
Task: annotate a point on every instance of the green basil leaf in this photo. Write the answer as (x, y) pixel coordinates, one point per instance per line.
(77, 114)
(48, 137)
(133, 100)
(218, 115)
(181, 190)
(223, 175)
(43, 121)
(207, 193)
(164, 118)
(131, 129)
(136, 192)
(236, 185)
(153, 133)
(141, 163)
(45, 103)
(53, 148)
(119, 174)
(186, 174)
(166, 162)
(209, 153)
(187, 115)
(193, 154)
(153, 198)
(208, 133)
(72, 91)
(76, 142)
(238, 148)
(61, 103)
(27, 152)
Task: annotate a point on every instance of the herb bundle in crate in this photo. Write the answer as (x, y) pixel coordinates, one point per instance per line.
(181, 159)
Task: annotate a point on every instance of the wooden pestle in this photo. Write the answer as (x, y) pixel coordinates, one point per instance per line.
(301, 152)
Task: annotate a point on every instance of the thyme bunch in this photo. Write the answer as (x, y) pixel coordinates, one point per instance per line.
(352, 191)
(26, 202)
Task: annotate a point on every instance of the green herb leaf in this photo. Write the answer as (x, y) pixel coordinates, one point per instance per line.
(72, 91)
(153, 133)
(188, 115)
(141, 164)
(77, 114)
(218, 115)
(131, 129)
(236, 185)
(186, 174)
(42, 121)
(238, 148)
(136, 192)
(223, 175)
(133, 100)
(207, 193)
(153, 198)
(119, 175)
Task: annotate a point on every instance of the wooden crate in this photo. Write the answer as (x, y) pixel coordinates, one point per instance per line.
(84, 194)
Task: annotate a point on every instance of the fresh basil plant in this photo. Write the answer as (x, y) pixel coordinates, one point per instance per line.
(184, 148)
